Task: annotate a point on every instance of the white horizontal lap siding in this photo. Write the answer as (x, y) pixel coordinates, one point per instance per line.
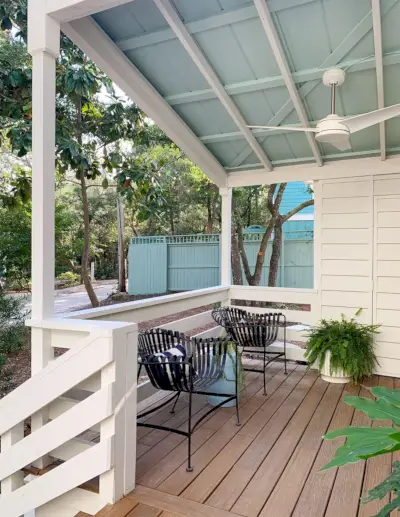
(345, 247)
(387, 273)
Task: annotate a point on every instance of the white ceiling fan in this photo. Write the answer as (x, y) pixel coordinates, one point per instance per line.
(334, 129)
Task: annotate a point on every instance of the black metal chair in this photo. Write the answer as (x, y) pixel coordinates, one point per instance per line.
(196, 373)
(252, 331)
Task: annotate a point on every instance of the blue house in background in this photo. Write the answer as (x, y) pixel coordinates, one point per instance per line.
(295, 194)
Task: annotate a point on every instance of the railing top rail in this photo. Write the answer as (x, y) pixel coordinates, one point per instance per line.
(98, 328)
(140, 304)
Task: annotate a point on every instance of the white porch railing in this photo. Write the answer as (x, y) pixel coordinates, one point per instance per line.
(92, 387)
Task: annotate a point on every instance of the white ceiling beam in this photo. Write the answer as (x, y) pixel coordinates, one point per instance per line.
(308, 172)
(226, 17)
(377, 27)
(338, 54)
(196, 54)
(277, 49)
(87, 35)
(68, 10)
(265, 83)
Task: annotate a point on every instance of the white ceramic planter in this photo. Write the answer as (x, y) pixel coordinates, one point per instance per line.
(337, 376)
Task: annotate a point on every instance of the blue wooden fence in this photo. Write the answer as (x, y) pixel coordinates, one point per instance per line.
(185, 262)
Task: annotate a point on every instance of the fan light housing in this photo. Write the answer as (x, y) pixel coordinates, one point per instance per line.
(332, 129)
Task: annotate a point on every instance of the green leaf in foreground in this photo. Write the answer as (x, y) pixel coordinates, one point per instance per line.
(362, 443)
(379, 409)
(390, 484)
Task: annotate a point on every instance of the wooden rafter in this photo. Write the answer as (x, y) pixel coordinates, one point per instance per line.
(98, 46)
(277, 49)
(377, 26)
(196, 54)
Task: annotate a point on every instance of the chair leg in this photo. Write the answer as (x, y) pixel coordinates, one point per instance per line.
(139, 370)
(189, 467)
(264, 371)
(176, 400)
(284, 348)
(237, 388)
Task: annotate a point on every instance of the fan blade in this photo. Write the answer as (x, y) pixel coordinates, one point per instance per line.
(365, 120)
(288, 128)
(342, 145)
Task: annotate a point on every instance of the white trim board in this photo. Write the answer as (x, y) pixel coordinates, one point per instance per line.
(360, 167)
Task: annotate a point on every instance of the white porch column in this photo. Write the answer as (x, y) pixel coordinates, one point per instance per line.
(226, 226)
(44, 46)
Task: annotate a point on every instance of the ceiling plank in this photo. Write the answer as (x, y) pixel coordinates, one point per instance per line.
(265, 83)
(92, 40)
(377, 27)
(68, 10)
(348, 43)
(277, 49)
(226, 17)
(196, 54)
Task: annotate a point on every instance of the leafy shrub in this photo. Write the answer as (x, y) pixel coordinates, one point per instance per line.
(12, 329)
(67, 279)
(351, 347)
(366, 442)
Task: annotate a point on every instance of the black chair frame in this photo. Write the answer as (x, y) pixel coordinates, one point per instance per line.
(252, 331)
(194, 375)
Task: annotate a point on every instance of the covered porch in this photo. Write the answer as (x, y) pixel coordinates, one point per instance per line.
(204, 71)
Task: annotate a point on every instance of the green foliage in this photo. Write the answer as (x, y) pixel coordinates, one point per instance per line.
(351, 347)
(12, 329)
(391, 484)
(68, 279)
(366, 442)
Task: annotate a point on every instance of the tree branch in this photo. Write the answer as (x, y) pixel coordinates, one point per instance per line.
(270, 198)
(293, 212)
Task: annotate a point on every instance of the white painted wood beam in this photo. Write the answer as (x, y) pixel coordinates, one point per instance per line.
(337, 55)
(221, 19)
(98, 46)
(196, 54)
(377, 27)
(226, 238)
(308, 172)
(68, 10)
(265, 83)
(277, 49)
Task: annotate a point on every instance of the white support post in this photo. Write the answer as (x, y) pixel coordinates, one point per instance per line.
(122, 373)
(226, 237)
(44, 46)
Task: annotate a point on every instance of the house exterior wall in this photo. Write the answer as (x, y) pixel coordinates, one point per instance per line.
(357, 240)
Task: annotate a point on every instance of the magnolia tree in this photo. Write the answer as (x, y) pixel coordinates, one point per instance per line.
(92, 120)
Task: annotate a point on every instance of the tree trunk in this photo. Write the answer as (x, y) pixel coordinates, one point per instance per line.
(85, 271)
(210, 218)
(86, 245)
(276, 254)
(237, 275)
(121, 247)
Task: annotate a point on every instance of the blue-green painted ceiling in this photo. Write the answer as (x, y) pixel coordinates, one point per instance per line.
(316, 34)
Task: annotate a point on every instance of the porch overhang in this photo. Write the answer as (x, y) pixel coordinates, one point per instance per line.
(204, 71)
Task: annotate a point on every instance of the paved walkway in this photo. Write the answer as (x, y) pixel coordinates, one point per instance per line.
(73, 298)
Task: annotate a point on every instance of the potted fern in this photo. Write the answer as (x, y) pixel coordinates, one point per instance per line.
(342, 350)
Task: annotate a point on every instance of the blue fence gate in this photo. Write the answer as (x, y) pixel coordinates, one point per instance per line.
(186, 262)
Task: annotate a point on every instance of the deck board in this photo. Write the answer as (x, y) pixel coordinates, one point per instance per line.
(267, 467)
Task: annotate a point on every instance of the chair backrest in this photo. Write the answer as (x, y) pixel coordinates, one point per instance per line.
(204, 364)
(160, 340)
(249, 329)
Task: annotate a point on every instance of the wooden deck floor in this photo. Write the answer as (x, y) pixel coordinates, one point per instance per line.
(268, 467)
